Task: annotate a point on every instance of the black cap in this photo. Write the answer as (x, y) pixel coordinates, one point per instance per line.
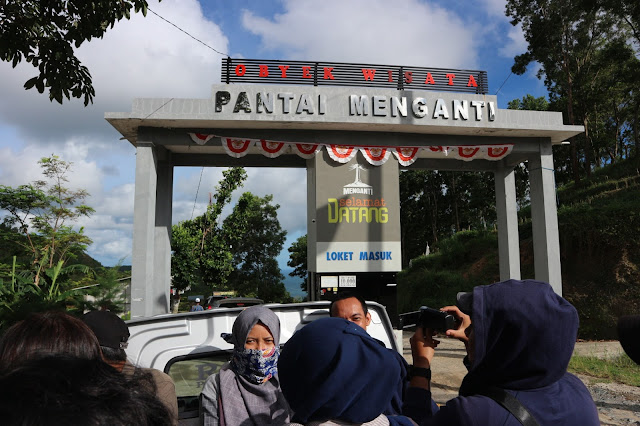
(109, 328)
(465, 301)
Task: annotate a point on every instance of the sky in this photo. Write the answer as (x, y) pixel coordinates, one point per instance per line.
(150, 57)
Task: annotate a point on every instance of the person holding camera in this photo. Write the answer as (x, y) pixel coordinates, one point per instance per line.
(519, 337)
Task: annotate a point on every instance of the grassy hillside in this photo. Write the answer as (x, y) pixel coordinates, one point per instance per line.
(599, 223)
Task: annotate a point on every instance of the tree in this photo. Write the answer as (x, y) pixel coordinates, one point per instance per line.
(109, 289)
(44, 33)
(38, 243)
(298, 260)
(574, 41)
(529, 103)
(629, 11)
(435, 205)
(257, 239)
(43, 213)
(200, 248)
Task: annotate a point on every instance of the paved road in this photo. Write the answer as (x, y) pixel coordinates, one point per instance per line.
(617, 404)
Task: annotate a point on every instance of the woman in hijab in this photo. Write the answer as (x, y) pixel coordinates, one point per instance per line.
(246, 390)
(333, 373)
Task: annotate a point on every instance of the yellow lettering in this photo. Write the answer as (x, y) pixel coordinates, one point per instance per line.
(384, 215)
(344, 214)
(338, 214)
(354, 212)
(364, 214)
(375, 214)
(332, 210)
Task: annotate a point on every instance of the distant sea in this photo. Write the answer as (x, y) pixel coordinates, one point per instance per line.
(292, 284)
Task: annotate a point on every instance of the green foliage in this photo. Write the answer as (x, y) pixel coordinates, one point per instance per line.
(435, 205)
(39, 243)
(40, 218)
(238, 253)
(298, 260)
(20, 296)
(591, 69)
(201, 249)
(45, 34)
(466, 259)
(619, 369)
(529, 103)
(108, 292)
(257, 241)
(598, 221)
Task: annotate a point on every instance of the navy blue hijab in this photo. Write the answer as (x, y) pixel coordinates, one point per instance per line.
(524, 336)
(333, 370)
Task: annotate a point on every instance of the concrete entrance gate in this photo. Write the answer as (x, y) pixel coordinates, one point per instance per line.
(162, 131)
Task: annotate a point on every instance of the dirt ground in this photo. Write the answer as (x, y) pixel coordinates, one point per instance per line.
(617, 404)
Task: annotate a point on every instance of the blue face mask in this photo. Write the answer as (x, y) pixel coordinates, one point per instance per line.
(256, 365)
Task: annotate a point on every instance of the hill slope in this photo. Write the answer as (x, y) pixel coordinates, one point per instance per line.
(599, 224)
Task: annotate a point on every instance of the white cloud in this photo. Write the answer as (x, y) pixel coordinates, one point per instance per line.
(403, 32)
(289, 189)
(494, 7)
(515, 43)
(147, 57)
(110, 246)
(141, 57)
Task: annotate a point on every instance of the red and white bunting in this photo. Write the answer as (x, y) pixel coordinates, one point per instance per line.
(271, 149)
(237, 147)
(440, 149)
(498, 151)
(375, 155)
(482, 152)
(306, 150)
(340, 153)
(406, 156)
(467, 153)
(200, 138)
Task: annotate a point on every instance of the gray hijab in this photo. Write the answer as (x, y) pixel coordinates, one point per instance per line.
(250, 317)
(245, 403)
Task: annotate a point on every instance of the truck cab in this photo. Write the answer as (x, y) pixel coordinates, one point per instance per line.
(189, 347)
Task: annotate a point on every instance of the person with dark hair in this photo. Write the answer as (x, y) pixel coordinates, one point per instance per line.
(113, 334)
(47, 333)
(351, 307)
(333, 373)
(246, 390)
(61, 390)
(519, 337)
(629, 336)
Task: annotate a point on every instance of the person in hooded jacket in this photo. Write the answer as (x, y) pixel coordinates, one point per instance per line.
(246, 390)
(333, 373)
(520, 337)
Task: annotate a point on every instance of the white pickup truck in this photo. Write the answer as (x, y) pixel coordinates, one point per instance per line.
(189, 347)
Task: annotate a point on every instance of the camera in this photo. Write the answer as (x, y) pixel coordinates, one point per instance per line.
(427, 318)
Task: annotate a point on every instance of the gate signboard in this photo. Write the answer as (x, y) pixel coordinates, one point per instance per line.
(357, 216)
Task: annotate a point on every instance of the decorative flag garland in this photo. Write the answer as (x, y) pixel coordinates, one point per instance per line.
(375, 155)
(341, 154)
(201, 139)
(306, 150)
(406, 156)
(270, 149)
(237, 147)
